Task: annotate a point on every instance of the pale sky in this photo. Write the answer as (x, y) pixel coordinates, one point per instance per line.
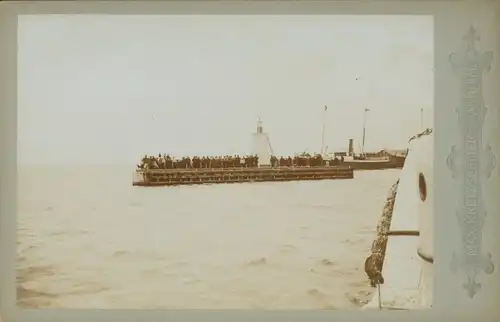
(108, 89)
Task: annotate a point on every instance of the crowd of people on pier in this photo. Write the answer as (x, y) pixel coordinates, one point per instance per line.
(165, 161)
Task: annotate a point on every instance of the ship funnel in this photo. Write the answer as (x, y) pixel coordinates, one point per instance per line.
(351, 147)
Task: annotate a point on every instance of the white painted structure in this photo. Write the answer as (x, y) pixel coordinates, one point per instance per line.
(409, 278)
(261, 145)
(425, 170)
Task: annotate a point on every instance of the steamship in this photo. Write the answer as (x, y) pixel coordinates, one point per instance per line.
(384, 159)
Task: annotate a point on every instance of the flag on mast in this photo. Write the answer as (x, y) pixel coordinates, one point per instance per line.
(367, 110)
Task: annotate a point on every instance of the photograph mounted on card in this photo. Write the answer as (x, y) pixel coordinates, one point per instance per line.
(292, 216)
(280, 160)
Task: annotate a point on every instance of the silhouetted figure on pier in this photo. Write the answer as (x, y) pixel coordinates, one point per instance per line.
(274, 161)
(166, 161)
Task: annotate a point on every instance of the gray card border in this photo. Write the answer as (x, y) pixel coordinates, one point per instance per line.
(452, 20)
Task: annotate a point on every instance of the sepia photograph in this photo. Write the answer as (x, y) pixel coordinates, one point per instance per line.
(253, 162)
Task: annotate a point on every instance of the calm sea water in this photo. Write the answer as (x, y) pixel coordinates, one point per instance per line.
(88, 239)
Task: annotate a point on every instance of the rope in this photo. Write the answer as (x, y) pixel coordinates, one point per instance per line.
(427, 258)
(419, 135)
(379, 298)
(377, 277)
(374, 262)
(375, 274)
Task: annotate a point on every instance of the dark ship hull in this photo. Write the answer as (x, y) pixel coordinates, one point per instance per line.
(392, 162)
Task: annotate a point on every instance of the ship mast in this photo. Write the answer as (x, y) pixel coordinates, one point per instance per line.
(422, 119)
(323, 127)
(364, 130)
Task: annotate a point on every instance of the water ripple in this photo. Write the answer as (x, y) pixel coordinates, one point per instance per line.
(111, 245)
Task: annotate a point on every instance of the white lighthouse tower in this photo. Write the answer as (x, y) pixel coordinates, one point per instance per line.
(262, 146)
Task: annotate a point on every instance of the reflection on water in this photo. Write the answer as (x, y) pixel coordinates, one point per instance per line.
(88, 239)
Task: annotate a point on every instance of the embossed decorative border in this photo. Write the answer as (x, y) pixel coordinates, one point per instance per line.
(470, 161)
